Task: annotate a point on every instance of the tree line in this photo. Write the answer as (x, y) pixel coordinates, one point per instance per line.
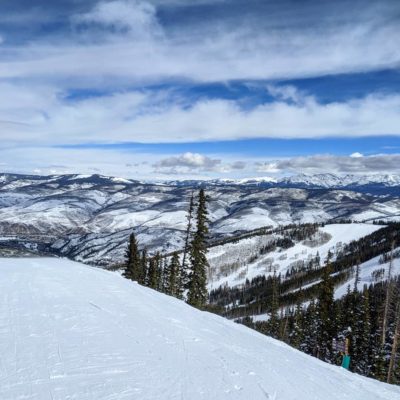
(369, 317)
(301, 307)
(182, 274)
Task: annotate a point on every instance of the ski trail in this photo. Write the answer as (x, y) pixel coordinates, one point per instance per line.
(71, 332)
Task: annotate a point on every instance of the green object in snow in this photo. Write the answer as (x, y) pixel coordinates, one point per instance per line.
(346, 362)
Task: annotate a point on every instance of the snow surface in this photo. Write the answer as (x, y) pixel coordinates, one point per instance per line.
(230, 266)
(69, 331)
(366, 274)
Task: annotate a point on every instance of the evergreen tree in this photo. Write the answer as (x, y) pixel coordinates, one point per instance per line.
(326, 314)
(143, 268)
(309, 344)
(160, 272)
(133, 264)
(360, 346)
(273, 322)
(297, 332)
(172, 276)
(357, 277)
(197, 294)
(185, 267)
(152, 278)
(395, 344)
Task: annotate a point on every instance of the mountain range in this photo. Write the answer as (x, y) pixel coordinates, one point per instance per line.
(89, 217)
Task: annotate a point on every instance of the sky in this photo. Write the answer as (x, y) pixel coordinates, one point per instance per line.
(183, 89)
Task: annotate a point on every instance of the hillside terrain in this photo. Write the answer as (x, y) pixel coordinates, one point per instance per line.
(89, 217)
(69, 331)
(244, 259)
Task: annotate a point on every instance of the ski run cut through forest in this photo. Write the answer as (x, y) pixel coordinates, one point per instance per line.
(70, 331)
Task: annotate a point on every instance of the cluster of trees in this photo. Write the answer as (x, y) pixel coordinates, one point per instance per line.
(182, 274)
(369, 318)
(301, 306)
(302, 310)
(254, 297)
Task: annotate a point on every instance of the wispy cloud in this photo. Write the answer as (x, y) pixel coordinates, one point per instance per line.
(255, 47)
(135, 20)
(43, 114)
(128, 56)
(354, 164)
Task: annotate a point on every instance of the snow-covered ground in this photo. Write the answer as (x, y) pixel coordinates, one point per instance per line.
(69, 331)
(366, 274)
(231, 266)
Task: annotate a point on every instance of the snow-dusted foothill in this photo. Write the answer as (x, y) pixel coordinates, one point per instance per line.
(89, 217)
(69, 331)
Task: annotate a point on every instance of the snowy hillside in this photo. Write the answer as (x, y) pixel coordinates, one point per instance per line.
(233, 263)
(370, 272)
(68, 331)
(364, 183)
(89, 217)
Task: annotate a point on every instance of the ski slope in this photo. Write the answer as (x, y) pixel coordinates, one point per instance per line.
(69, 331)
(280, 260)
(366, 274)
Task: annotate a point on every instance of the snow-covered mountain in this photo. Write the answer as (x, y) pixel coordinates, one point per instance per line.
(371, 182)
(89, 217)
(69, 331)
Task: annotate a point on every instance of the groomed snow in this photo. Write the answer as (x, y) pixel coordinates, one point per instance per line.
(69, 331)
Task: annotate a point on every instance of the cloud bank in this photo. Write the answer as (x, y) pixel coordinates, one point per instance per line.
(353, 164)
(110, 71)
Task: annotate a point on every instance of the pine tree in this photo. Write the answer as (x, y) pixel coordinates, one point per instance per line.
(133, 264)
(172, 276)
(185, 266)
(297, 334)
(273, 322)
(143, 268)
(357, 276)
(360, 346)
(309, 344)
(326, 315)
(152, 278)
(160, 272)
(395, 344)
(197, 294)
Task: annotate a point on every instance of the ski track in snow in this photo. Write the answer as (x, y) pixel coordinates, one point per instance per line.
(69, 331)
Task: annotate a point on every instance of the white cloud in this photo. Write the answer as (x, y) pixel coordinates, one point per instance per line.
(123, 44)
(135, 165)
(48, 160)
(356, 155)
(32, 113)
(187, 162)
(267, 167)
(380, 163)
(216, 51)
(286, 92)
(137, 18)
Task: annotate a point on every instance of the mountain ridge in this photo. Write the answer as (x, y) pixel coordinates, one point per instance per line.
(89, 217)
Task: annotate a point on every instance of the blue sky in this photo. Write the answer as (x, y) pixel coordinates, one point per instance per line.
(201, 89)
